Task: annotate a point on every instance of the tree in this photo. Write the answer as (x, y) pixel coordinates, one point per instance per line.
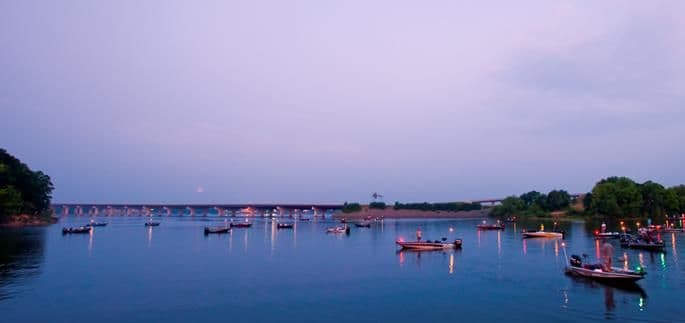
(616, 196)
(21, 189)
(557, 200)
(509, 206)
(679, 193)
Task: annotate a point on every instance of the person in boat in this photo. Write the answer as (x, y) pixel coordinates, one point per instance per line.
(607, 253)
(603, 227)
(418, 234)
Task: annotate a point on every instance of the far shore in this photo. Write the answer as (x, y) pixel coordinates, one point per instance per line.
(27, 220)
(391, 213)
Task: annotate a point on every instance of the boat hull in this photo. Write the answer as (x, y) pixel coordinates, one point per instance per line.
(616, 276)
(417, 245)
(489, 227)
(76, 230)
(217, 230)
(541, 234)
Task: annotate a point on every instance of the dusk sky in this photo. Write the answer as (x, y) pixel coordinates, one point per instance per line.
(328, 101)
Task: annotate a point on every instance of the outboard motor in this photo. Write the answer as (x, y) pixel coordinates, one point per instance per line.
(576, 261)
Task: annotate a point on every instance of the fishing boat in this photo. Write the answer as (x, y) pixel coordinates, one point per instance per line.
(96, 224)
(644, 245)
(285, 225)
(343, 229)
(217, 230)
(607, 235)
(76, 230)
(364, 224)
(495, 226)
(429, 245)
(542, 234)
(595, 272)
(241, 225)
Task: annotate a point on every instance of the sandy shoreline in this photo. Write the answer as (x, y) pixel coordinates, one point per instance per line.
(390, 213)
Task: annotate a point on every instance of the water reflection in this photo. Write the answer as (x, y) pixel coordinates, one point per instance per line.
(632, 291)
(21, 255)
(418, 255)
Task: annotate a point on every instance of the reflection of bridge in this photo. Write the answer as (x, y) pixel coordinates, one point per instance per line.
(257, 209)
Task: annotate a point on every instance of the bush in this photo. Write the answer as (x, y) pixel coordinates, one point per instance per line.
(377, 205)
(351, 207)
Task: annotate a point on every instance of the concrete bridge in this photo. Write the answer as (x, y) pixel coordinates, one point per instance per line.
(149, 209)
(246, 209)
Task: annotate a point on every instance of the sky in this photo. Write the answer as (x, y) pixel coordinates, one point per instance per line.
(330, 101)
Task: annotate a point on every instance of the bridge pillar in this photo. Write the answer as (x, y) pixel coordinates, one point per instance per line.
(166, 210)
(190, 210)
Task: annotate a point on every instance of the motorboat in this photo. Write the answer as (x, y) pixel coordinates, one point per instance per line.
(430, 245)
(83, 229)
(343, 229)
(363, 224)
(542, 234)
(96, 224)
(217, 230)
(495, 226)
(607, 235)
(151, 224)
(241, 225)
(595, 272)
(285, 226)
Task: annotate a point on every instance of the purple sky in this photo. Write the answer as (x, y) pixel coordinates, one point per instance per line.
(327, 101)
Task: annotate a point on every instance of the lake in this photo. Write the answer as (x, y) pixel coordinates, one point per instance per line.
(126, 272)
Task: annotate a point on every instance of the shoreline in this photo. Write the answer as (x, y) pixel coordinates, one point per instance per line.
(27, 220)
(390, 213)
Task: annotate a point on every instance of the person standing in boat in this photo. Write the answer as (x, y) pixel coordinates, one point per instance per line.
(607, 254)
(418, 234)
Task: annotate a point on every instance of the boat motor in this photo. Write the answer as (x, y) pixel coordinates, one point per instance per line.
(576, 261)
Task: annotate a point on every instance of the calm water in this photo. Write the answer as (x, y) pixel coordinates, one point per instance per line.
(173, 273)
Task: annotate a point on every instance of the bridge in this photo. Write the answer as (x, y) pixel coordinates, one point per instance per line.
(248, 209)
(149, 209)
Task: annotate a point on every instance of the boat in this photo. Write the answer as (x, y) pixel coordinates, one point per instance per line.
(510, 219)
(495, 226)
(672, 229)
(76, 230)
(595, 272)
(217, 230)
(241, 225)
(607, 235)
(304, 219)
(364, 224)
(151, 224)
(644, 245)
(285, 225)
(429, 245)
(343, 229)
(96, 224)
(542, 234)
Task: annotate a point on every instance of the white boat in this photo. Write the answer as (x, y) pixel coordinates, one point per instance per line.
(429, 245)
(542, 234)
(616, 275)
(607, 235)
(343, 229)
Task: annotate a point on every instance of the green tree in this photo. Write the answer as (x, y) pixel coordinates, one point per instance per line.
(679, 193)
(510, 206)
(557, 200)
(616, 196)
(21, 189)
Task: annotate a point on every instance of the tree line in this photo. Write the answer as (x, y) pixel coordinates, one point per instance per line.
(448, 206)
(610, 197)
(22, 191)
